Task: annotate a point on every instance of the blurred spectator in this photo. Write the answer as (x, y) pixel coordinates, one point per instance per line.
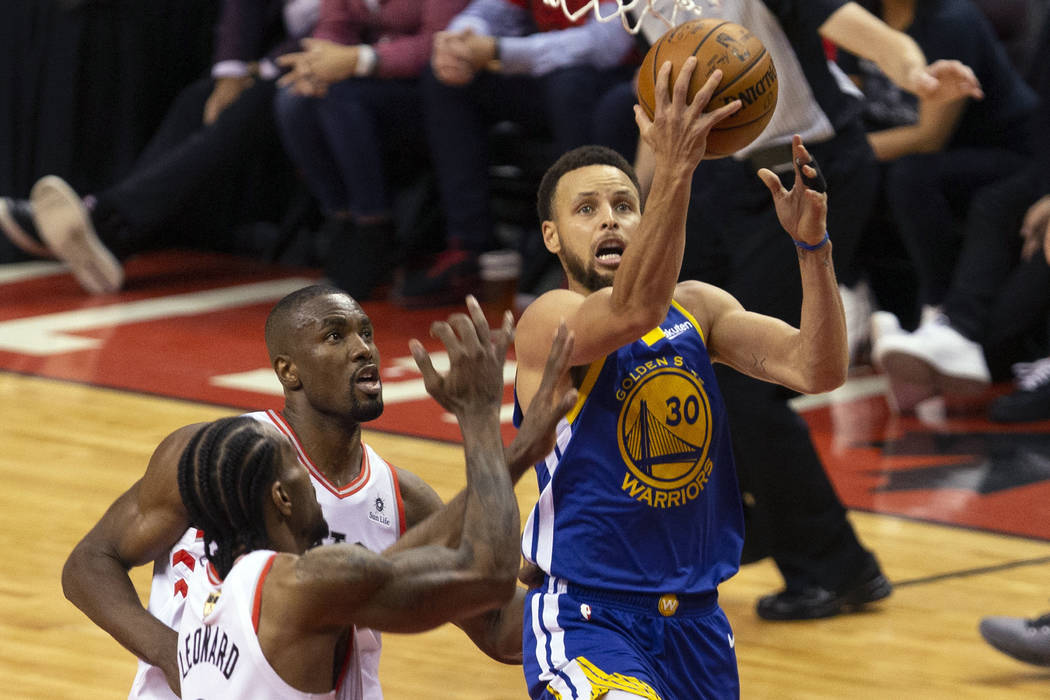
(936, 155)
(504, 60)
(349, 115)
(994, 312)
(211, 165)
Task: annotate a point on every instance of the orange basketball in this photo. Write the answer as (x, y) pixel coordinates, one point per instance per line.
(748, 74)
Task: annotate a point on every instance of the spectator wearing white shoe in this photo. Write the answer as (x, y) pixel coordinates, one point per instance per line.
(995, 311)
(934, 156)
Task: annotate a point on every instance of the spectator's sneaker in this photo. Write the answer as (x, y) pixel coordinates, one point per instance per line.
(1031, 401)
(65, 227)
(18, 224)
(1024, 640)
(936, 355)
(814, 602)
(904, 395)
(451, 276)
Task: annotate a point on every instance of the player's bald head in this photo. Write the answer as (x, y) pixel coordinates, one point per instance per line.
(288, 315)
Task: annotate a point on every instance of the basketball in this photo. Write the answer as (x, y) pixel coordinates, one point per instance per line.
(748, 74)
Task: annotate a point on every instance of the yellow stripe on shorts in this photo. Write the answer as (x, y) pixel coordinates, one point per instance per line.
(602, 682)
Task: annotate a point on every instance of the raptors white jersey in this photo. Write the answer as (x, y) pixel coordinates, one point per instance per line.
(368, 510)
(219, 654)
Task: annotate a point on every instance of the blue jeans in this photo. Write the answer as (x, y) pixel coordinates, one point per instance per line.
(344, 142)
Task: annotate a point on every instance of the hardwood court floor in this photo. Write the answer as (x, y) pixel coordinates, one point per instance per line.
(954, 509)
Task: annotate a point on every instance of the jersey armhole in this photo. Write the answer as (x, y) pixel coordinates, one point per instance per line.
(344, 668)
(257, 600)
(402, 524)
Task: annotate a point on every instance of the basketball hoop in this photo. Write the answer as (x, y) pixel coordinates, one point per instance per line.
(632, 13)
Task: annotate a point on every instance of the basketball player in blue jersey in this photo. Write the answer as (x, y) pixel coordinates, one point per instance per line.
(323, 350)
(639, 519)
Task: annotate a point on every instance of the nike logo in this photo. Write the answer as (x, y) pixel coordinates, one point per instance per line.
(732, 641)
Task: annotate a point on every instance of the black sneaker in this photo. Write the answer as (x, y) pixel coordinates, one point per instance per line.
(814, 602)
(19, 225)
(1031, 401)
(451, 276)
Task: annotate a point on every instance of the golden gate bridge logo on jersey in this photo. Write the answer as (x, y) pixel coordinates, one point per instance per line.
(664, 433)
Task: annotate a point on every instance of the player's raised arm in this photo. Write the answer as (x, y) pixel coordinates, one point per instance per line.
(140, 526)
(812, 358)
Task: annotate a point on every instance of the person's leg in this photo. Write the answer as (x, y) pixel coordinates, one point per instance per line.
(195, 179)
(366, 123)
(929, 194)
(300, 127)
(613, 120)
(570, 96)
(990, 252)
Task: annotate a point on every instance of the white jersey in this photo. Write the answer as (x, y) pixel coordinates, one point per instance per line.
(368, 510)
(219, 653)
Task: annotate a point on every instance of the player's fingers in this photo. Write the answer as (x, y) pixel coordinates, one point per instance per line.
(504, 337)
(467, 333)
(443, 332)
(431, 378)
(703, 95)
(722, 112)
(772, 183)
(662, 92)
(559, 356)
(681, 82)
(642, 119)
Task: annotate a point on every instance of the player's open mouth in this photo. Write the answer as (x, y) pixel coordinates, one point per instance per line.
(609, 253)
(367, 380)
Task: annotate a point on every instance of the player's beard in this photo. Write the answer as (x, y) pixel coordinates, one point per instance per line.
(588, 276)
(364, 410)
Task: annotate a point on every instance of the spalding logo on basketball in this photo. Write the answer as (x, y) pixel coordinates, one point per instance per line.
(748, 74)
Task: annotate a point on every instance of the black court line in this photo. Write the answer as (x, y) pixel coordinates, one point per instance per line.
(972, 572)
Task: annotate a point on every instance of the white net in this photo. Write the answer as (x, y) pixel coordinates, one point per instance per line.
(633, 13)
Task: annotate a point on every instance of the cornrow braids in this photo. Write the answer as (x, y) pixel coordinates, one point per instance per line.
(223, 474)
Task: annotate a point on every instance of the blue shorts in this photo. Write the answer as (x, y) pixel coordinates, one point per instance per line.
(581, 642)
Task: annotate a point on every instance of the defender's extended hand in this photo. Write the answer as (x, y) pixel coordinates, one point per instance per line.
(536, 436)
(476, 356)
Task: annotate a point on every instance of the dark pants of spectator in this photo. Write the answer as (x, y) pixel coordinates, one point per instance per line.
(929, 194)
(996, 298)
(344, 142)
(559, 104)
(735, 241)
(194, 184)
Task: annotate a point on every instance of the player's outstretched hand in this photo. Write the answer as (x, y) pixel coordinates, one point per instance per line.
(536, 436)
(474, 380)
(679, 126)
(803, 212)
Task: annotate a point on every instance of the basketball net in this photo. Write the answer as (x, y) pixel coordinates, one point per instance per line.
(632, 13)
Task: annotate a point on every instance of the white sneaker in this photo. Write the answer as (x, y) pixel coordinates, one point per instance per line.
(908, 390)
(857, 303)
(936, 355)
(65, 226)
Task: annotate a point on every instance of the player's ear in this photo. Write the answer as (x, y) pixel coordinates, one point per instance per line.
(551, 239)
(286, 371)
(281, 499)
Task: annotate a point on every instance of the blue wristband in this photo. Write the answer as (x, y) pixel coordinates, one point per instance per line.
(816, 246)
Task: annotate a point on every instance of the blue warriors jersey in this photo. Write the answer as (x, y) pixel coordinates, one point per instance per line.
(640, 493)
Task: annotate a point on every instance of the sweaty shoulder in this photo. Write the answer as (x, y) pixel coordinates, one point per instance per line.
(160, 482)
(538, 323)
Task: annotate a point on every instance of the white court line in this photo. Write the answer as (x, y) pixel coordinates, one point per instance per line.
(17, 272)
(50, 334)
